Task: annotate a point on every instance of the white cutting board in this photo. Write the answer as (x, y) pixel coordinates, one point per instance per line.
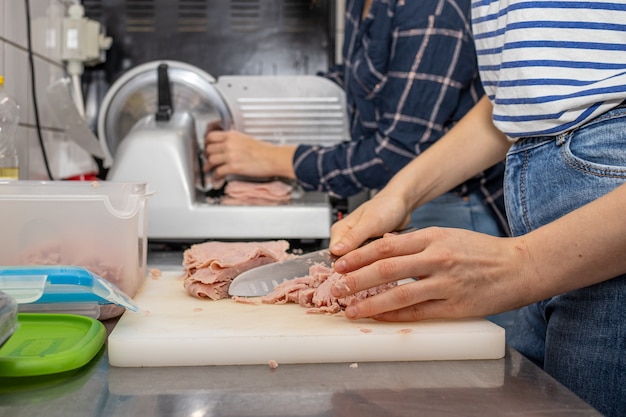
(175, 329)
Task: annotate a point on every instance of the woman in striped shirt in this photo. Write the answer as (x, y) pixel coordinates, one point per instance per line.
(555, 77)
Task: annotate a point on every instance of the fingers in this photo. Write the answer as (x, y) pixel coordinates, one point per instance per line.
(213, 125)
(216, 160)
(344, 238)
(215, 136)
(420, 300)
(459, 273)
(371, 219)
(216, 154)
(389, 246)
(349, 233)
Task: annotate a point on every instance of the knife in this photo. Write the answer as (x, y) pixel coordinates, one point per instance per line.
(264, 279)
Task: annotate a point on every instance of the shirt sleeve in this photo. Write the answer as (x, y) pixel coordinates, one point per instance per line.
(335, 73)
(411, 77)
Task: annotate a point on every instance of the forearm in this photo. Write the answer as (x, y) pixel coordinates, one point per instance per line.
(282, 159)
(472, 146)
(580, 249)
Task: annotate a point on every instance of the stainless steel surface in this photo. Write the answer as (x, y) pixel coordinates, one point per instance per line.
(287, 109)
(507, 387)
(512, 386)
(264, 279)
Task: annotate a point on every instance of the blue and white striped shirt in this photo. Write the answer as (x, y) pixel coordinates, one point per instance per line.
(550, 66)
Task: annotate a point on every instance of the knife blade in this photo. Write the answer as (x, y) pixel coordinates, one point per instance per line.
(263, 279)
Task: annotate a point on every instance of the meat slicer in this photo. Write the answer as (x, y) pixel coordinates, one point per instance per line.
(151, 126)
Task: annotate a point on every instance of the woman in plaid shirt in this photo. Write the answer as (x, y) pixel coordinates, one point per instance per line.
(410, 74)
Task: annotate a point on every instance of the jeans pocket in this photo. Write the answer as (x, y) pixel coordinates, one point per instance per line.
(598, 148)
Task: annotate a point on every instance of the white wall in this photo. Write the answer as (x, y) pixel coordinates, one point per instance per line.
(65, 157)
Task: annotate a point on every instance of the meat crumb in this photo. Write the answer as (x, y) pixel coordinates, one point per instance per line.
(197, 309)
(155, 273)
(366, 330)
(354, 365)
(405, 331)
(243, 300)
(147, 313)
(273, 364)
(341, 283)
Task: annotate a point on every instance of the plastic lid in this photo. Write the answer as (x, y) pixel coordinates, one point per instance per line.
(8, 317)
(1, 79)
(46, 344)
(43, 388)
(71, 285)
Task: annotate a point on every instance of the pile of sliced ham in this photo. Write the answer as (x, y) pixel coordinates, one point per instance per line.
(211, 266)
(250, 193)
(313, 291)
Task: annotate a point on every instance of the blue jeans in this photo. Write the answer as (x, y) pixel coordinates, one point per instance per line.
(470, 213)
(452, 210)
(578, 337)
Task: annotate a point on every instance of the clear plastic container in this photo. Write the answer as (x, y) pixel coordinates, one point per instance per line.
(99, 225)
(9, 118)
(8, 317)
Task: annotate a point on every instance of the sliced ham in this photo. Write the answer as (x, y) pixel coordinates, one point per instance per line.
(313, 291)
(256, 193)
(211, 266)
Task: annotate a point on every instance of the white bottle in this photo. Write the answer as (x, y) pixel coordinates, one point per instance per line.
(9, 117)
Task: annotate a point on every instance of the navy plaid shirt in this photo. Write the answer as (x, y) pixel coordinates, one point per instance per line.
(410, 74)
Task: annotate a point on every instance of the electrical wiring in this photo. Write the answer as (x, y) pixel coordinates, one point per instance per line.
(33, 89)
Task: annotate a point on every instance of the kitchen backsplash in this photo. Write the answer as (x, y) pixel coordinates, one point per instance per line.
(65, 158)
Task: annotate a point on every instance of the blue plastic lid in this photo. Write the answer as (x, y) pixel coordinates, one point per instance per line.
(58, 284)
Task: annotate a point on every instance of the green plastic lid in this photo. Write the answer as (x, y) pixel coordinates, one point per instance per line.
(50, 343)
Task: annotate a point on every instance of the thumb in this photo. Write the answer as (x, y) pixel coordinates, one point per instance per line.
(345, 237)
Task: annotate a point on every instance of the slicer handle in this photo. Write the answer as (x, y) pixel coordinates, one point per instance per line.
(165, 109)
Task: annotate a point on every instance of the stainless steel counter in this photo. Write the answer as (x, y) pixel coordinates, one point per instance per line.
(511, 386)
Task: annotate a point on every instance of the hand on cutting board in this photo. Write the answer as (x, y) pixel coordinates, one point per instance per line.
(232, 152)
(461, 274)
(375, 217)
